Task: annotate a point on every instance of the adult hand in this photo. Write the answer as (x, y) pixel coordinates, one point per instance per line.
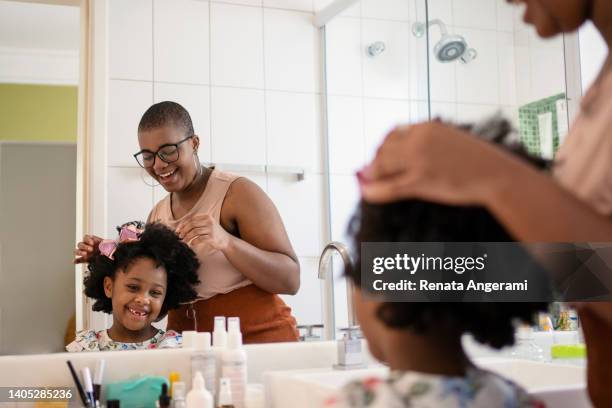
(203, 228)
(86, 248)
(434, 162)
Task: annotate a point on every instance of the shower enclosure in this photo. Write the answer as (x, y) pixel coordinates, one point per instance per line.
(391, 62)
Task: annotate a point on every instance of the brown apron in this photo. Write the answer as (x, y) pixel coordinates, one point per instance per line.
(264, 317)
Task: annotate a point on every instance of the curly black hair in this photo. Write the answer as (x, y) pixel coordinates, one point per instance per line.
(421, 221)
(160, 244)
(164, 114)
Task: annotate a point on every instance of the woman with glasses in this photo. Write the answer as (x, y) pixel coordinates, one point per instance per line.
(230, 223)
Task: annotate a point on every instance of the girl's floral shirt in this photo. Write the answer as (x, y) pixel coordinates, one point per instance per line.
(477, 389)
(89, 340)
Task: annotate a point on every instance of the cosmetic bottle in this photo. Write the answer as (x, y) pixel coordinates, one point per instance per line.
(219, 338)
(225, 394)
(172, 378)
(178, 395)
(203, 360)
(234, 361)
(219, 335)
(199, 397)
(164, 398)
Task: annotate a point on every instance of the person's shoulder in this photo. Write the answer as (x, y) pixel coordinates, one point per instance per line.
(85, 340)
(168, 339)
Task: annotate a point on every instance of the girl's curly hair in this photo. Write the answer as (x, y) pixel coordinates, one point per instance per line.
(160, 244)
(420, 221)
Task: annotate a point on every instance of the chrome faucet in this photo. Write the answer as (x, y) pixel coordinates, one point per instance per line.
(329, 321)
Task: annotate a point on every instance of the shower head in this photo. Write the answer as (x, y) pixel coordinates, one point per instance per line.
(450, 47)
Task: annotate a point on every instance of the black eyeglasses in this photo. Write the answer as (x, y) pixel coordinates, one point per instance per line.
(168, 153)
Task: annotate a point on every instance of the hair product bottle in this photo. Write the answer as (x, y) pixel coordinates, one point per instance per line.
(219, 345)
(233, 364)
(199, 397)
(225, 394)
(203, 360)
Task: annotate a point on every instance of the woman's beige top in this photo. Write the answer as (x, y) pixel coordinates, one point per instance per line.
(217, 274)
(584, 162)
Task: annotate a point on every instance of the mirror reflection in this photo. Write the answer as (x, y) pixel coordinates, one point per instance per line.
(240, 128)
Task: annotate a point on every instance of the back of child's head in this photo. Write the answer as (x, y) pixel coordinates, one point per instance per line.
(421, 221)
(166, 113)
(159, 244)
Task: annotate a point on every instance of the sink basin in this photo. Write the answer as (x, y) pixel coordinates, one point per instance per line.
(556, 384)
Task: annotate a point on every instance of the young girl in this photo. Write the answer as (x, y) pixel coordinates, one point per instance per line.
(138, 279)
(421, 342)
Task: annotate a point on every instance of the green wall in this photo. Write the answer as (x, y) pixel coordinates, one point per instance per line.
(38, 112)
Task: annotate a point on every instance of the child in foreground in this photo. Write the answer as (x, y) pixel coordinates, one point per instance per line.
(421, 342)
(138, 279)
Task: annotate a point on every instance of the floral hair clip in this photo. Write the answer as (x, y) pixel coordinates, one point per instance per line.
(128, 232)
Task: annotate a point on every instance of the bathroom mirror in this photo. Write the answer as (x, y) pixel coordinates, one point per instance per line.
(257, 109)
(400, 62)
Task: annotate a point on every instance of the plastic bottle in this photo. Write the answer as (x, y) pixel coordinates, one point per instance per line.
(219, 332)
(219, 345)
(225, 394)
(178, 395)
(526, 347)
(203, 360)
(199, 397)
(234, 362)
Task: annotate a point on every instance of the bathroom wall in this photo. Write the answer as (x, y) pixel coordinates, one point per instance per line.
(368, 96)
(249, 73)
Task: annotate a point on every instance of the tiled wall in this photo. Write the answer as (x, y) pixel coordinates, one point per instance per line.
(368, 96)
(249, 74)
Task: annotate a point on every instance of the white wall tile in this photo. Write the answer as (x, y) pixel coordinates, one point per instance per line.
(507, 68)
(442, 80)
(437, 9)
(345, 196)
(196, 99)
(127, 101)
(302, 5)
(477, 81)
(475, 14)
(181, 41)
(236, 46)
(343, 60)
(300, 205)
(241, 2)
(238, 126)
(352, 11)
(291, 52)
(475, 113)
(346, 138)
(381, 116)
(130, 39)
(293, 139)
(547, 73)
(522, 60)
(307, 304)
(505, 16)
(388, 74)
(386, 9)
(418, 67)
(129, 198)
